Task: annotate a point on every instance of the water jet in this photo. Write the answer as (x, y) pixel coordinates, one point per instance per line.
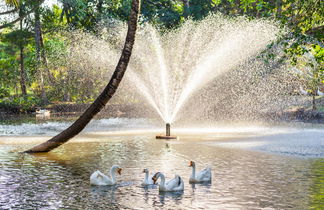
(167, 133)
(192, 78)
(204, 72)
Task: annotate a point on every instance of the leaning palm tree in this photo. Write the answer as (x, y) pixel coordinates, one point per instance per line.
(106, 94)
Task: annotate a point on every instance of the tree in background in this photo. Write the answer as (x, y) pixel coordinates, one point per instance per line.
(49, 69)
(16, 4)
(21, 36)
(105, 96)
(40, 54)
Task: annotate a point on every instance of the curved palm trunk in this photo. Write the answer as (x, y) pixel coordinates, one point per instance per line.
(104, 97)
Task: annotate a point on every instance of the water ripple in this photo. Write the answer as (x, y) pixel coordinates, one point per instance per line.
(241, 179)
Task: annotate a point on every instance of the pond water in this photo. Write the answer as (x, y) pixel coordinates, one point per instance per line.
(252, 168)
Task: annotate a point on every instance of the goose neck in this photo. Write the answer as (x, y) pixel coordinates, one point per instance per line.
(162, 179)
(146, 176)
(193, 171)
(113, 173)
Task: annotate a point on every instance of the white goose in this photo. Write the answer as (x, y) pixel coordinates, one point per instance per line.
(303, 92)
(201, 176)
(98, 178)
(320, 93)
(148, 179)
(175, 184)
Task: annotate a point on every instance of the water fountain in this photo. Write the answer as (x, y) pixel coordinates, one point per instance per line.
(175, 66)
(205, 68)
(200, 73)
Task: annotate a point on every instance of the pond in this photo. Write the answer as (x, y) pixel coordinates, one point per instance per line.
(252, 168)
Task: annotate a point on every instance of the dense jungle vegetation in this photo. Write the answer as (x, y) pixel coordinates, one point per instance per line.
(36, 36)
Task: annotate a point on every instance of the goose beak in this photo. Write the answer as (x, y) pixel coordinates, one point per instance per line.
(119, 171)
(190, 164)
(143, 170)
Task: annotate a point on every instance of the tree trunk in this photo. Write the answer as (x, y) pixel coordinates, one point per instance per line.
(279, 10)
(106, 94)
(99, 6)
(39, 51)
(314, 102)
(186, 10)
(22, 72)
(22, 68)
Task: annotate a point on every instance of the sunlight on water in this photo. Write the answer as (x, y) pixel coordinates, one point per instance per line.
(53, 127)
(253, 166)
(241, 179)
(297, 140)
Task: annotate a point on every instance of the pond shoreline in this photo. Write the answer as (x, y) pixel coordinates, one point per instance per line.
(297, 114)
(67, 109)
(134, 111)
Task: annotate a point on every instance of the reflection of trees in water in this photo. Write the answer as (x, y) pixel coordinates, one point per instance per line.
(53, 180)
(27, 183)
(317, 187)
(78, 160)
(240, 178)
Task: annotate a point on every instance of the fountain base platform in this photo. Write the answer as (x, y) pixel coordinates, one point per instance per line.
(167, 133)
(166, 137)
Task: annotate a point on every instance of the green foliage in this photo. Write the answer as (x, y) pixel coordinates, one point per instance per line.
(52, 21)
(24, 104)
(63, 80)
(317, 186)
(8, 65)
(17, 37)
(4, 92)
(10, 44)
(56, 48)
(201, 8)
(318, 53)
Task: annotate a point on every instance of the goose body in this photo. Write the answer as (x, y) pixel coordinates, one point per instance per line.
(175, 184)
(320, 93)
(201, 176)
(99, 178)
(147, 179)
(303, 92)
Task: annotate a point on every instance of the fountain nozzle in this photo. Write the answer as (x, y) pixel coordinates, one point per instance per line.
(167, 133)
(167, 129)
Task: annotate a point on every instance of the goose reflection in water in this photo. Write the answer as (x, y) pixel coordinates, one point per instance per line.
(97, 192)
(204, 186)
(108, 192)
(167, 196)
(148, 189)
